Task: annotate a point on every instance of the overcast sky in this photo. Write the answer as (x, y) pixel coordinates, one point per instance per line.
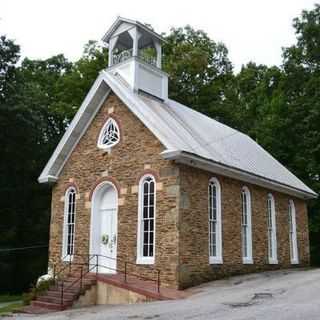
(252, 30)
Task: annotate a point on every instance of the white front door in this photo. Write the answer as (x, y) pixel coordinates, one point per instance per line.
(103, 238)
(108, 245)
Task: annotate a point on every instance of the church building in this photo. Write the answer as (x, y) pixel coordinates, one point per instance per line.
(142, 182)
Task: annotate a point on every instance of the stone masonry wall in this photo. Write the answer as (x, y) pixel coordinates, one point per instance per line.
(182, 207)
(136, 153)
(193, 228)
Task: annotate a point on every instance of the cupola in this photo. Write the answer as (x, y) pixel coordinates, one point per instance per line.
(135, 56)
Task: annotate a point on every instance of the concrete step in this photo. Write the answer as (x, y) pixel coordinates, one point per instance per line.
(49, 305)
(56, 300)
(57, 293)
(67, 288)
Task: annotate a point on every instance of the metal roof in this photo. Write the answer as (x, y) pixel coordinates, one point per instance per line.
(179, 129)
(121, 20)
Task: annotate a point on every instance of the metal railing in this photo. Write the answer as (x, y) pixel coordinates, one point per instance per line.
(122, 56)
(95, 266)
(127, 54)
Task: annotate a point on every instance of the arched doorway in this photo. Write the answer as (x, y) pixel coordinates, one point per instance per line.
(103, 231)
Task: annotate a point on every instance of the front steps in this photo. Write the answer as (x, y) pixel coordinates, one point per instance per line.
(51, 300)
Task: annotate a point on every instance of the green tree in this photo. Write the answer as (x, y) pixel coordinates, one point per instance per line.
(9, 56)
(200, 73)
(302, 70)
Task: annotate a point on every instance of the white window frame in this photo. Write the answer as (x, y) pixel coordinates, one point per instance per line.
(272, 230)
(217, 258)
(246, 228)
(65, 255)
(100, 143)
(141, 259)
(294, 255)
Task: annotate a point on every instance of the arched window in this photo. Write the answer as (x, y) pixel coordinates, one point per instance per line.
(109, 135)
(272, 230)
(146, 220)
(69, 224)
(293, 233)
(246, 228)
(215, 223)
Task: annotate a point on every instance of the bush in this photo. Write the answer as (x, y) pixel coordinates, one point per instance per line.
(43, 286)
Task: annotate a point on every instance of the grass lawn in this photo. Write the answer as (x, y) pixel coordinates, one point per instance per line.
(9, 297)
(11, 307)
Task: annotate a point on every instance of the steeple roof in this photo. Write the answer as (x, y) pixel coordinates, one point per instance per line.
(120, 20)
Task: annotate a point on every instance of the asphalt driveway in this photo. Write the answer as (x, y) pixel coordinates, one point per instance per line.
(278, 295)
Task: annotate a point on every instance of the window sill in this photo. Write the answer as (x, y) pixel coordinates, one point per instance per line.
(247, 260)
(144, 260)
(67, 258)
(294, 261)
(215, 260)
(273, 261)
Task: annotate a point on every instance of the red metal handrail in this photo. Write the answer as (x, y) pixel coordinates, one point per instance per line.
(96, 266)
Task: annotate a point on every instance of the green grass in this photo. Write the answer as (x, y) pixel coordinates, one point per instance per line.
(9, 297)
(11, 307)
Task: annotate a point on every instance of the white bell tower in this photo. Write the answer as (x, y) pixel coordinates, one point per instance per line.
(135, 55)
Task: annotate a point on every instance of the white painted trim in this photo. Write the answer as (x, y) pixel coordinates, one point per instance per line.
(209, 165)
(140, 258)
(214, 260)
(67, 137)
(273, 261)
(247, 259)
(218, 258)
(94, 208)
(48, 179)
(64, 256)
(274, 258)
(107, 80)
(294, 243)
(145, 260)
(102, 146)
(120, 20)
(83, 131)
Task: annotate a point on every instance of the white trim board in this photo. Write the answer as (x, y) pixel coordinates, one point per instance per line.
(207, 165)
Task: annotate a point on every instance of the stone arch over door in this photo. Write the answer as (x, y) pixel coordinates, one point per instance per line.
(104, 227)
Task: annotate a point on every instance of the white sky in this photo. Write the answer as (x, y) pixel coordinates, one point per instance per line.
(252, 30)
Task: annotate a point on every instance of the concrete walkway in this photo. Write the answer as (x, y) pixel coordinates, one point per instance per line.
(278, 295)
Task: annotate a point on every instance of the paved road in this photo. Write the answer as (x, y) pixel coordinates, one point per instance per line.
(278, 295)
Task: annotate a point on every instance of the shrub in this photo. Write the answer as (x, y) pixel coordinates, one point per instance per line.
(43, 286)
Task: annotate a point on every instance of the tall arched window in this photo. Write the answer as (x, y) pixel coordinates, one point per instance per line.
(246, 228)
(69, 224)
(146, 220)
(293, 233)
(215, 223)
(272, 230)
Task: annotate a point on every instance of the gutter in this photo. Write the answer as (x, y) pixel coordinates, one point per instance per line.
(193, 160)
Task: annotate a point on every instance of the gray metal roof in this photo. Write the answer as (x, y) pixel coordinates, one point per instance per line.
(180, 128)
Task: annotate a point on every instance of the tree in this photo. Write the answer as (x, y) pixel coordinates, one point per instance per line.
(302, 70)
(9, 56)
(200, 72)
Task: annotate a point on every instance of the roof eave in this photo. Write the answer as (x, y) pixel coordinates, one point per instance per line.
(47, 179)
(119, 19)
(211, 166)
